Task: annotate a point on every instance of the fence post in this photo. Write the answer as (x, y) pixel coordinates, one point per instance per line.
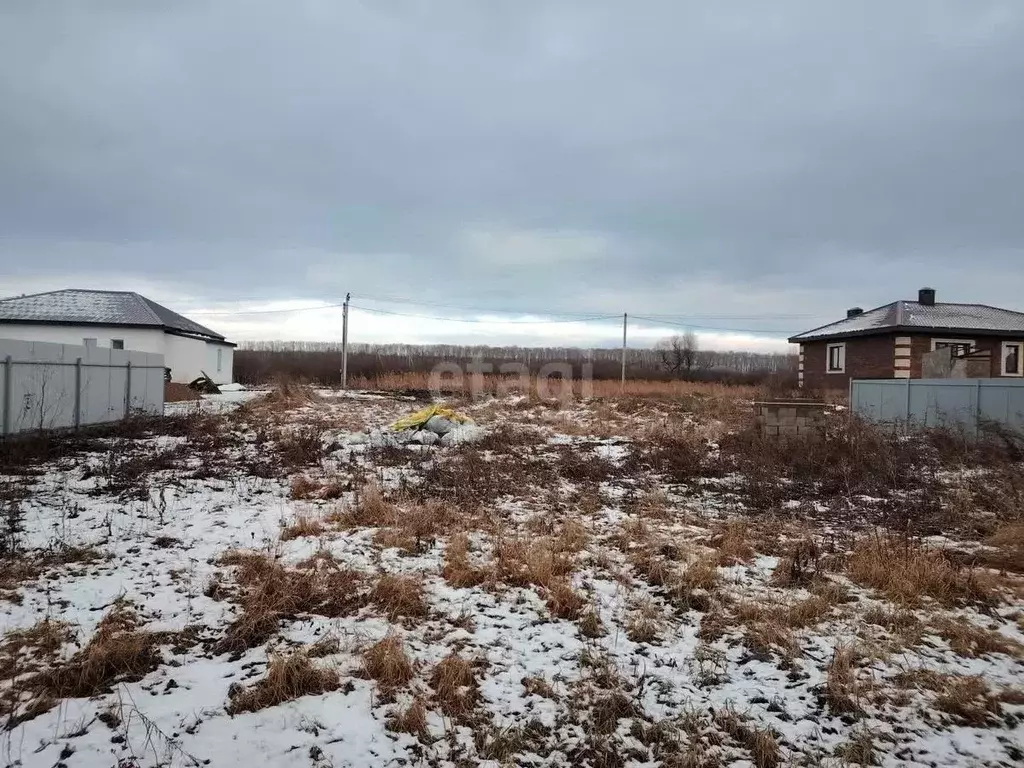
(907, 409)
(127, 388)
(977, 409)
(8, 364)
(78, 393)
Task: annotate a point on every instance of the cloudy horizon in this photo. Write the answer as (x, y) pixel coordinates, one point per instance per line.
(746, 170)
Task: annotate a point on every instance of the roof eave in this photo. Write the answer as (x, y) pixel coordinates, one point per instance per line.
(908, 329)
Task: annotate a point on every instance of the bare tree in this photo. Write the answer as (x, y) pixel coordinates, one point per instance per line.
(679, 354)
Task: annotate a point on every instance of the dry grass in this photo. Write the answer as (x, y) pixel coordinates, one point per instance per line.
(799, 566)
(412, 720)
(902, 623)
(523, 562)
(968, 700)
(119, 651)
(458, 570)
(843, 691)
(645, 623)
(399, 596)
(303, 525)
(601, 388)
(590, 623)
(271, 592)
(692, 587)
(760, 742)
(304, 487)
(387, 662)
(968, 639)
(905, 570)
(456, 689)
(733, 543)
(563, 601)
(538, 686)
(288, 677)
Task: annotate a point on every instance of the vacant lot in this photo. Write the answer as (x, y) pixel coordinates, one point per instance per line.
(622, 581)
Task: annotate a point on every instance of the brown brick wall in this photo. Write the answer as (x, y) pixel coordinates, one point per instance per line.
(868, 357)
(872, 357)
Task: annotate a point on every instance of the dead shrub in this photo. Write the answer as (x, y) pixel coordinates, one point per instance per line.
(799, 567)
(905, 570)
(303, 525)
(399, 596)
(455, 686)
(288, 677)
(301, 446)
(387, 662)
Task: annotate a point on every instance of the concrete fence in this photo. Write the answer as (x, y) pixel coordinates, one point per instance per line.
(965, 403)
(52, 386)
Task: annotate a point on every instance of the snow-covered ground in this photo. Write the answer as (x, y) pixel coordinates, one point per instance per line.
(610, 615)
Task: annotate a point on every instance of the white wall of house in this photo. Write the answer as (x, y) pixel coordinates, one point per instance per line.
(220, 360)
(186, 357)
(141, 339)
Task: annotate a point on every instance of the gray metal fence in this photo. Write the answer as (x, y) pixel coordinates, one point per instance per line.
(49, 386)
(940, 402)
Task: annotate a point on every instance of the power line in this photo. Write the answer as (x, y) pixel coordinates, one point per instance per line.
(709, 328)
(592, 318)
(423, 303)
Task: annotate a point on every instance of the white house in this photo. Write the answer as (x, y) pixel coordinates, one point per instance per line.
(121, 320)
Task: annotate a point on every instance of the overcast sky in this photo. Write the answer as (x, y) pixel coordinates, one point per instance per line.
(751, 165)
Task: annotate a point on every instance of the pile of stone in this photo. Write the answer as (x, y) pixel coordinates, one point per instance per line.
(436, 425)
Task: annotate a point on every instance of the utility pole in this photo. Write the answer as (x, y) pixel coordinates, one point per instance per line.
(623, 385)
(344, 342)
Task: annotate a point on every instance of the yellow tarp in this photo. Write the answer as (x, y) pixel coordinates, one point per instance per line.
(418, 419)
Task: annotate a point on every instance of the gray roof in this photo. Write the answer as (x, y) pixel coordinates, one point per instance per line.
(73, 307)
(912, 315)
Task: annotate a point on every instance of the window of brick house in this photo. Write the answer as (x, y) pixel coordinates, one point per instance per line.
(835, 361)
(959, 346)
(1013, 358)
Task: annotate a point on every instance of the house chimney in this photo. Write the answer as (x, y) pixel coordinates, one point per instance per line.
(926, 296)
(854, 311)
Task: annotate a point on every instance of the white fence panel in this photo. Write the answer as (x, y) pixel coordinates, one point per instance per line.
(940, 402)
(51, 386)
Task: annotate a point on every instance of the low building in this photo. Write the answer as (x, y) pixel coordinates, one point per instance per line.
(891, 341)
(119, 320)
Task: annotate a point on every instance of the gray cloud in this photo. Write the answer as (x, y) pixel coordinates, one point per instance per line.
(785, 157)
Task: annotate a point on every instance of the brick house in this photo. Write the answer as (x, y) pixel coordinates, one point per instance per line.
(890, 341)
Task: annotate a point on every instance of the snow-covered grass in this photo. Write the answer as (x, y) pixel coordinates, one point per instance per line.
(599, 583)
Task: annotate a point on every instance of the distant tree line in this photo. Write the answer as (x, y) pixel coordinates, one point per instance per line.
(320, 362)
